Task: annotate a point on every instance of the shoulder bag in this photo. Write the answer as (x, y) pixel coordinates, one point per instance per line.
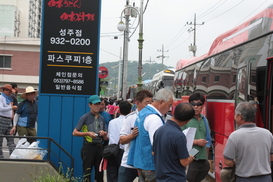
(110, 151)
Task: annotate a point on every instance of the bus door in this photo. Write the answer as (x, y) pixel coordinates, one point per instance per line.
(269, 95)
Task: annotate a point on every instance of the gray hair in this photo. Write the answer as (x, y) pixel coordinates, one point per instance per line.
(164, 94)
(247, 111)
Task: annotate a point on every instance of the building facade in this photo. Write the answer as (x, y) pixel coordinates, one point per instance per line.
(20, 18)
(19, 61)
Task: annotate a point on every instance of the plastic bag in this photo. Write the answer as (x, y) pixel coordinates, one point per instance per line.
(32, 151)
(24, 150)
(19, 151)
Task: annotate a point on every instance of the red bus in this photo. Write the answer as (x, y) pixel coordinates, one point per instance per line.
(238, 67)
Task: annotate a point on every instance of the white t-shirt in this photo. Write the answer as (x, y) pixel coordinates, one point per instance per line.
(114, 130)
(152, 122)
(126, 129)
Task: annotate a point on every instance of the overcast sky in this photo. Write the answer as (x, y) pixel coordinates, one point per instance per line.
(165, 24)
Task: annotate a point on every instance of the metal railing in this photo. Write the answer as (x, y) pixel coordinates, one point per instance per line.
(56, 155)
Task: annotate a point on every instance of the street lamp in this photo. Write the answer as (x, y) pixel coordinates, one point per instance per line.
(121, 26)
(128, 11)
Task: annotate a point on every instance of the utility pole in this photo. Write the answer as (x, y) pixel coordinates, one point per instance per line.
(162, 56)
(193, 47)
(119, 73)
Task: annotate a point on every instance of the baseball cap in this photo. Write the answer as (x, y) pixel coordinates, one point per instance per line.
(94, 99)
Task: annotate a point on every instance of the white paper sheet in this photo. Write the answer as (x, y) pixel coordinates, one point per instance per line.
(190, 133)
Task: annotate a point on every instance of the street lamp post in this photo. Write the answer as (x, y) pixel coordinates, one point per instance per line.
(128, 11)
(140, 47)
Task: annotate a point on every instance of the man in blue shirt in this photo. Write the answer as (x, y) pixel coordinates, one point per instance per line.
(26, 114)
(148, 121)
(170, 146)
(104, 114)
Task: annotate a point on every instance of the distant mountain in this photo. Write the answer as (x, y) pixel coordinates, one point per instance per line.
(148, 71)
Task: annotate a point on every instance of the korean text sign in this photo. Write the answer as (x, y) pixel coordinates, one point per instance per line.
(70, 41)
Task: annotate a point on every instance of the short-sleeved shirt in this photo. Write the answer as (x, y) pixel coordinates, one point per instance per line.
(199, 134)
(250, 147)
(126, 129)
(169, 147)
(114, 130)
(110, 109)
(28, 112)
(107, 118)
(14, 99)
(88, 123)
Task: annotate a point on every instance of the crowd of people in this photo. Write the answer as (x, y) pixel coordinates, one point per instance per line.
(152, 146)
(17, 118)
(149, 149)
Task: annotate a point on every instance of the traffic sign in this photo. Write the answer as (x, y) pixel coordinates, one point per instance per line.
(103, 72)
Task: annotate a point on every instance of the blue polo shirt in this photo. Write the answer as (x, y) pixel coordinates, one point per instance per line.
(107, 118)
(28, 112)
(169, 146)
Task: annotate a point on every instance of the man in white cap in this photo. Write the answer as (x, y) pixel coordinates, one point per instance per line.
(6, 114)
(26, 115)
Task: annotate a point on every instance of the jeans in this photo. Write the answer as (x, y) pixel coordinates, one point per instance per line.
(127, 174)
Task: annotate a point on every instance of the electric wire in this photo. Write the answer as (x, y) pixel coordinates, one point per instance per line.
(110, 53)
(178, 35)
(225, 11)
(208, 11)
(138, 21)
(206, 21)
(146, 6)
(251, 13)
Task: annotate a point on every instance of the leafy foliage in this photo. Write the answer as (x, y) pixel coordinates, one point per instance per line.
(132, 71)
(46, 176)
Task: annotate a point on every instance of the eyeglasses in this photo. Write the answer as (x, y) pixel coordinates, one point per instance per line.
(196, 104)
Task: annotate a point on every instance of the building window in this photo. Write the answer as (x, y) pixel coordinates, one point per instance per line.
(253, 78)
(216, 78)
(204, 79)
(234, 78)
(5, 61)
